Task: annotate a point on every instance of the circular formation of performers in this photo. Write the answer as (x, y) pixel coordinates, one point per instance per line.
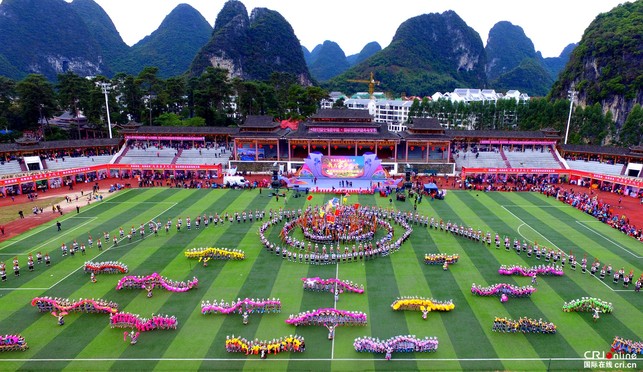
(303, 251)
(523, 325)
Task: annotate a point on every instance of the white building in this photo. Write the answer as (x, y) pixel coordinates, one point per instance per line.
(394, 113)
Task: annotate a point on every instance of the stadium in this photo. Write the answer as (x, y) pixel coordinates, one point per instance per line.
(347, 247)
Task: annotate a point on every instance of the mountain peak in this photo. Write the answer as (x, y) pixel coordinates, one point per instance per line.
(252, 47)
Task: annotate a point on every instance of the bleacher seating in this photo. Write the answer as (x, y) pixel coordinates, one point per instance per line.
(532, 159)
(10, 167)
(78, 162)
(148, 155)
(595, 166)
(204, 156)
(485, 159)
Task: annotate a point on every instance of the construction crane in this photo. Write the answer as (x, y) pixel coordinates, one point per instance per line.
(371, 84)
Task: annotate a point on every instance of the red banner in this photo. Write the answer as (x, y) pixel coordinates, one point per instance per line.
(107, 168)
(621, 180)
(342, 130)
(164, 138)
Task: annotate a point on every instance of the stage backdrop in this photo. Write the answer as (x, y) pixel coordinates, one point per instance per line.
(366, 167)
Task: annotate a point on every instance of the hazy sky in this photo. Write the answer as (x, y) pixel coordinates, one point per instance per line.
(550, 24)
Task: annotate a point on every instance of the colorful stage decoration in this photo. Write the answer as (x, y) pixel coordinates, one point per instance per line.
(531, 271)
(503, 290)
(440, 258)
(140, 324)
(329, 318)
(331, 285)
(624, 346)
(110, 267)
(523, 325)
(247, 305)
(338, 233)
(588, 304)
(366, 167)
(396, 344)
(65, 305)
(294, 344)
(215, 254)
(154, 280)
(13, 343)
(425, 305)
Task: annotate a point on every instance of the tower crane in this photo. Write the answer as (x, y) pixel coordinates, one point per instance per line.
(371, 84)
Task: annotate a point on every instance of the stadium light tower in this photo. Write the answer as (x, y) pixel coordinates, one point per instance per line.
(106, 87)
(571, 94)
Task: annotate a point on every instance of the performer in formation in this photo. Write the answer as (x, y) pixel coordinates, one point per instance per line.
(398, 344)
(245, 306)
(140, 324)
(503, 289)
(50, 305)
(12, 343)
(440, 259)
(624, 346)
(263, 348)
(328, 235)
(155, 280)
(331, 285)
(425, 305)
(133, 336)
(523, 325)
(531, 271)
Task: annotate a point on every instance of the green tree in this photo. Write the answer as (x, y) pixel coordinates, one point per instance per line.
(7, 94)
(212, 96)
(35, 98)
(632, 131)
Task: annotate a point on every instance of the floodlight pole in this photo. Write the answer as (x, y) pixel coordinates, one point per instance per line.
(572, 93)
(106, 87)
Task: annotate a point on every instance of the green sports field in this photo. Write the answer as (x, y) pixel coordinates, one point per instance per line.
(86, 342)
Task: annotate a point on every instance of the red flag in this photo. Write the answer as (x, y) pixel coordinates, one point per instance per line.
(309, 198)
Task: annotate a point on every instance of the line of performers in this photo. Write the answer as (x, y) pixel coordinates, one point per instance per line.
(327, 316)
(247, 305)
(51, 304)
(624, 346)
(134, 321)
(263, 348)
(331, 285)
(30, 264)
(523, 325)
(549, 255)
(12, 343)
(502, 289)
(399, 344)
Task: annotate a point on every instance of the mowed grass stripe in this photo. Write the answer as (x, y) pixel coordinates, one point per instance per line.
(186, 306)
(382, 290)
(81, 324)
(608, 251)
(18, 301)
(183, 307)
(98, 347)
(355, 302)
(253, 282)
(628, 302)
(543, 304)
(410, 273)
(469, 324)
(547, 300)
(317, 343)
(73, 225)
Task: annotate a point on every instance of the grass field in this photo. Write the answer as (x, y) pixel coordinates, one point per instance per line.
(86, 342)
